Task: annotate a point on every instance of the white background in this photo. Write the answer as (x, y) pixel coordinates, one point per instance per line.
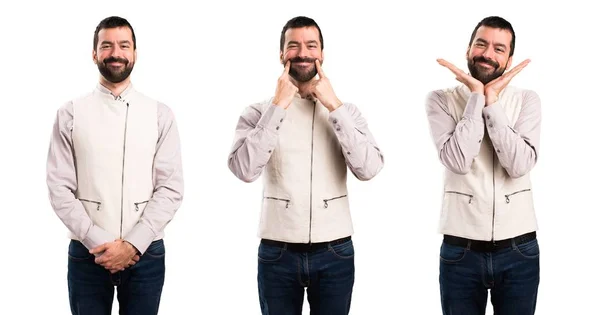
(209, 62)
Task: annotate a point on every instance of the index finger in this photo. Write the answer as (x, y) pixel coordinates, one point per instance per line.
(319, 69)
(450, 66)
(518, 68)
(286, 70)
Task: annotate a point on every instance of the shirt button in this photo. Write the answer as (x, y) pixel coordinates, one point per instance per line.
(335, 121)
(348, 152)
(338, 128)
(281, 120)
(488, 116)
(269, 151)
(277, 128)
(479, 140)
(490, 125)
(498, 150)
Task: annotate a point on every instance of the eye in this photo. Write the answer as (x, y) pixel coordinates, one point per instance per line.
(479, 45)
(500, 50)
(125, 46)
(313, 46)
(105, 46)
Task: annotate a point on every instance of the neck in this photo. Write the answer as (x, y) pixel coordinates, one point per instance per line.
(115, 88)
(303, 87)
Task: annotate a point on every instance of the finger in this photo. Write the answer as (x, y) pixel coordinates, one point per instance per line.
(136, 258)
(319, 69)
(514, 71)
(99, 249)
(451, 67)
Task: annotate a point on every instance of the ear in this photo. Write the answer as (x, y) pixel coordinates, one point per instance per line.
(281, 57)
(467, 53)
(322, 56)
(509, 63)
(95, 56)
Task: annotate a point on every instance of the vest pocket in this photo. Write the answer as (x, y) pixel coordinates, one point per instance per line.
(462, 194)
(287, 201)
(326, 201)
(137, 204)
(92, 202)
(514, 193)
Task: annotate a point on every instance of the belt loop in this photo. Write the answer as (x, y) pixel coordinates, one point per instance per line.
(285, 246)
(513, 243)
(468, 244)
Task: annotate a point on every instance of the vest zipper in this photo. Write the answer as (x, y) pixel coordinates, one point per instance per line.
(494, 197)
(287, 202)
(96, 202)
(459, 193)
(330, 199)
(516, 192)
(123, 168)
(312, 145)
(137, 204)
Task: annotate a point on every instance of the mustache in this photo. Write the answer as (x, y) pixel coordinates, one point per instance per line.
(300, 59)
(116, 59)
(485, 60)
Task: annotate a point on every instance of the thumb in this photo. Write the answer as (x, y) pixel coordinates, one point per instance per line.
(99, 249)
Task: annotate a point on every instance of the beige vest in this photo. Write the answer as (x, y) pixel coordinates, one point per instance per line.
(486, 203)
(305, 198)
(114, 142)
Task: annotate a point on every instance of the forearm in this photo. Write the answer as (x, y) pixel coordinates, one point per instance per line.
(363, 156)
(255, 139)
(517, 147)
(457, 143)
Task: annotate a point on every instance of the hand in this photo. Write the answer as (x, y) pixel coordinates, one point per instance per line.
(116, 255)
(473, 84)
(494, 87)
(286, 90)
(322, 90)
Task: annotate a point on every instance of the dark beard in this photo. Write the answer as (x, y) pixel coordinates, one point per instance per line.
(302, 76)
(482, 74)
(115, 76)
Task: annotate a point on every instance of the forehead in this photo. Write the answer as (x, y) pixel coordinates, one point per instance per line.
(493, 35)
(302, 34)
(116, 34)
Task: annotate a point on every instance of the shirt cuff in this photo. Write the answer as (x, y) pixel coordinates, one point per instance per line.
(96, 236)
(495, 117)
(474, 107)
(272, 118)
(140, 237)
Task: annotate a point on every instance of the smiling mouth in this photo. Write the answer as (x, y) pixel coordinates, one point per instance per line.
(485, 65)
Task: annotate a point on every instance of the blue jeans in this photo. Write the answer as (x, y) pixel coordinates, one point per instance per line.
(511, 274)
(327, 274)
(91, 287)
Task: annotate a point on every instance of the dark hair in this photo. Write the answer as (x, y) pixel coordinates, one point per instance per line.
(496, 22)
(113, 22)
(297, 22)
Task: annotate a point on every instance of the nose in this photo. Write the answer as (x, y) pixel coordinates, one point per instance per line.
(489, 52)
(303, 51)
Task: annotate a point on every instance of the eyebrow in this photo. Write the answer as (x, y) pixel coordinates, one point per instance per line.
(110, 43)
(293, 42)
(487, 43)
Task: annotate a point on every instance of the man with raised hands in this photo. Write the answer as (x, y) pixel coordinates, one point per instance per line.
(302, 141)
(487, 135)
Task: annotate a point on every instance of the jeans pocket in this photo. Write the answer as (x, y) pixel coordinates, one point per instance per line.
(269, 254)
(78, 252)
(155, 250)
(343, 251)
(529, 250)
(451, 254)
